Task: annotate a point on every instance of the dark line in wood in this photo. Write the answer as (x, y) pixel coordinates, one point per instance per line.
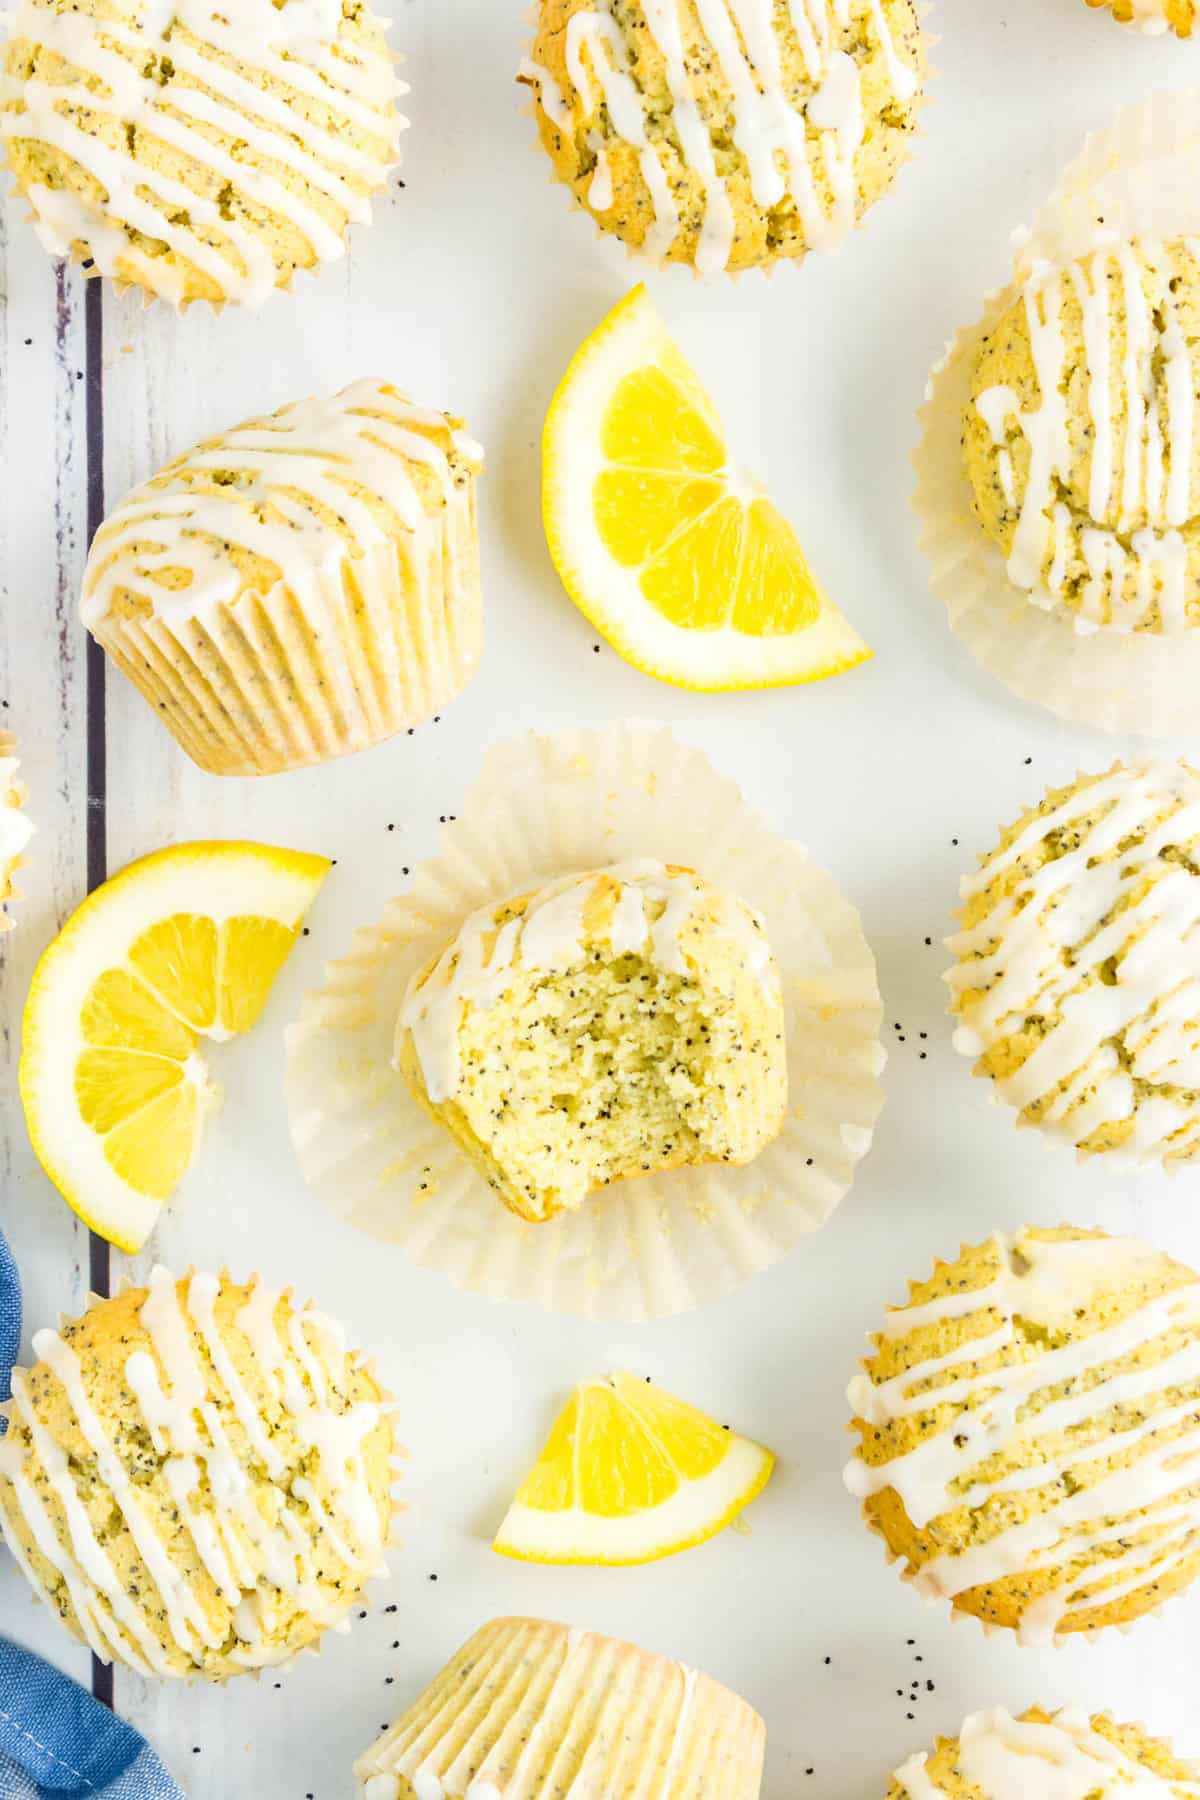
(99, 1258)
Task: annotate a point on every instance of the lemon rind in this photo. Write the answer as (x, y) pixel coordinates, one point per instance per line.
(696, 1513)
(286, 883)
(632, 337)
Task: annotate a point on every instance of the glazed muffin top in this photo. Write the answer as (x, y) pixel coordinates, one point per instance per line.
(1029, 1429)
(1082, 437)
(293, 498)
(197, 1476)
(726, 136)
(611, 1023)
(1078, 965)
(194, 152)
(1045, 1756)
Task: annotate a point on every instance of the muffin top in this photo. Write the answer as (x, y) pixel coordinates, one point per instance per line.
(1077, 984)
(196, 1476)
(1030, 1431)
(194, 151)
(1082, 437)
(304, 497)
(726, 136)
(616, 1023)
(1045, 1756)
(528, 1710)
(667, 915)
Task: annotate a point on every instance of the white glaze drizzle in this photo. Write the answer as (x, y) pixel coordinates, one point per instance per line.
(782, 158)
(478, 967)
(310, 478)
(1003, 1411)
(1049, 946)
(188, 1408)
(1155, 454)
(298, 44)
(1002, 1758)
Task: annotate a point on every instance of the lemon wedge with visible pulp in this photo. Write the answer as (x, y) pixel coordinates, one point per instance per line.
(628, 1475)
(184, 945)
(681, 563)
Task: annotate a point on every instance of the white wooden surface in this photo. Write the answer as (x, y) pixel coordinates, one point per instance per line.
(472, 289)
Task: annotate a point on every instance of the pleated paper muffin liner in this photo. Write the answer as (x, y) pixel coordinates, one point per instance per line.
(537, 1711)
(1139, 178)
(266, 683)
(15, 827)
(661, 1244)
(770, 265)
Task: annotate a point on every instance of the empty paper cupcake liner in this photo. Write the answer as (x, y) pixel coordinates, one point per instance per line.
(266, 684)
(1139, 178)
(664, 1243)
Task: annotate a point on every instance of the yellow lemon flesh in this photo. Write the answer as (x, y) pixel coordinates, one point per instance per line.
(181, 946)
(629, 1475)
(682, 564)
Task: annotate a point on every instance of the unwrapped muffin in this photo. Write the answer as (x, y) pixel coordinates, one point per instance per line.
(298, 588)
(1082, 437)
(1077, 984)
(193, 151)
(1045, 1756)
(1154, 17)
(16, 827)
(612, 1023)
(196, 1476)
(1029, 1430)
(696, 142)
(533, 1711)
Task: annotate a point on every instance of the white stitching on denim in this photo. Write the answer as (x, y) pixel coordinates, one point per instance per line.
(46, 1751)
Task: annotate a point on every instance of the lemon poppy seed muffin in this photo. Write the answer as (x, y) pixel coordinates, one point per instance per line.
(1079, 965)
(609, 1024)
(1045, 1756)
(1154, 17)
(722, 135)
(1082, 438)
(302, 587)
(1029, 1430)
(534, 1711)
(16, 827)
(195, 151)
(196, 1476)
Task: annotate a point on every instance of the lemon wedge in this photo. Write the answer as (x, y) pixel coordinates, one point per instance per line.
(629, 1475)
(184, 945)
(684, 565)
